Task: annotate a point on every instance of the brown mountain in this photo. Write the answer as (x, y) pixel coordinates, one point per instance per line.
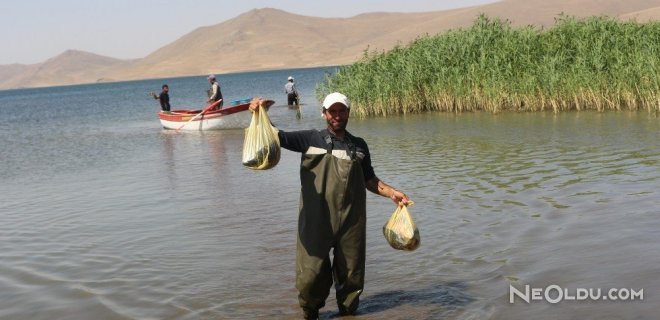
(70, 67)
(273, 39)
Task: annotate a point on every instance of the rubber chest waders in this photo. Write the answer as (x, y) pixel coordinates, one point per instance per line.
(332, 216)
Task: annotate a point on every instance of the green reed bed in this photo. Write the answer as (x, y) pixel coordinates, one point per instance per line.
(596, 63)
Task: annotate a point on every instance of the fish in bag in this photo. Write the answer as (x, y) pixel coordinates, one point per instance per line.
(261, 147)
(400, 231)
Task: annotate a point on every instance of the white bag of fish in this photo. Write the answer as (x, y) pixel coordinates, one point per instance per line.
(261, 148)
(400, 231)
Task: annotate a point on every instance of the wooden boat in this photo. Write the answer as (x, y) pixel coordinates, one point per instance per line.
(235, 115)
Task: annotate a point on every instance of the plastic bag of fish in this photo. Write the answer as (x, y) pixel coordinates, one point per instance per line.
(400, 231)
(261, 147)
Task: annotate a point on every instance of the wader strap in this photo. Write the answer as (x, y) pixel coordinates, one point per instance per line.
(352, 150)
(328, 141)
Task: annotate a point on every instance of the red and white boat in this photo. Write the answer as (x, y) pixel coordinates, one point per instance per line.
(234, 116)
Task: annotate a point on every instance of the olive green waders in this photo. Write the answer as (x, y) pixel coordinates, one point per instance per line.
(332, 216)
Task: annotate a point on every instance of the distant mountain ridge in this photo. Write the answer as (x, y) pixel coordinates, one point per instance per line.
(263, 39)
(67, 68)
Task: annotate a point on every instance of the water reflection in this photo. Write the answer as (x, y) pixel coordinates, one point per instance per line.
(217, 154)
(168, 161)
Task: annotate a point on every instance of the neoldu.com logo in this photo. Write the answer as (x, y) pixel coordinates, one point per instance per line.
(555, 294)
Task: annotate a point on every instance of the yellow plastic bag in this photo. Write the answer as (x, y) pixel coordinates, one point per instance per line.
(400, 230)
(261, 147)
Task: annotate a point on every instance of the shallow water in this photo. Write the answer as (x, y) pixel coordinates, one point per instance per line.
(104, 215)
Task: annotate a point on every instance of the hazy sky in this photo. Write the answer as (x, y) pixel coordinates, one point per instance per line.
(33, 31)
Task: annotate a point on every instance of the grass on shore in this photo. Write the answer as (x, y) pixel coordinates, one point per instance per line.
(595, 63)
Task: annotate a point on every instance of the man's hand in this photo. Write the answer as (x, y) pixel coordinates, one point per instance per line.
(255, 103)
(399, 197)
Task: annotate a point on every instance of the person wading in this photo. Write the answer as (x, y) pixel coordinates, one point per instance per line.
(335, 171)
(291, 92)
(163, 98)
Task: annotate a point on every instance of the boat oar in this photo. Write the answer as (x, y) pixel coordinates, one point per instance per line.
(211, 106)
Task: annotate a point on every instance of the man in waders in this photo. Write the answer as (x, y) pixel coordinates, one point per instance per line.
(335, 171)
(291, 92)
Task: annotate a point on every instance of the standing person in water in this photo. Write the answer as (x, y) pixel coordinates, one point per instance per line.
(335, 171)
(163, 97)
(291, 92)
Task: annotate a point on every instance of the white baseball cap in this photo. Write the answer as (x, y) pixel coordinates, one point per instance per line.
(290, 78)
(335, 97)
(211, 77)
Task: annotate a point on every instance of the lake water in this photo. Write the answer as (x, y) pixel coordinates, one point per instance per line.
(105, 215)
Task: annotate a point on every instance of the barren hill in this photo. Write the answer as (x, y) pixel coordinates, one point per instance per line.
(263, 39)
(70, 67)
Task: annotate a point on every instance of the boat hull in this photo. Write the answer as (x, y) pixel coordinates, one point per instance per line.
(231, 117)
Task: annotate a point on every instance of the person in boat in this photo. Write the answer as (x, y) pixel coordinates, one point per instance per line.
(291, 92)
(335, 171)
(163, 97)
(214, 92)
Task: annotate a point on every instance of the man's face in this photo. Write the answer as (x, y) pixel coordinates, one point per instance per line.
(337, 116)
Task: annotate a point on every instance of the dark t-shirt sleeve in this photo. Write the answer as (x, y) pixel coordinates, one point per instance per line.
(367, 169)
(297, 141)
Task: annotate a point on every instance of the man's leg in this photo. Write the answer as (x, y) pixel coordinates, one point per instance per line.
(349, 263)
(313, 279)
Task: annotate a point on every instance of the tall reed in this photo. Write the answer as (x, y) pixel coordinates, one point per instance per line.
(594, 63)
